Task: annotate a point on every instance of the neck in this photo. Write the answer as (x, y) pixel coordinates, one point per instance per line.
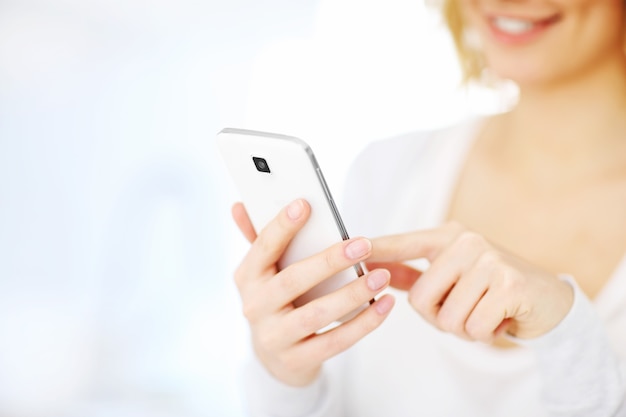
(579, 115)
(568, 133)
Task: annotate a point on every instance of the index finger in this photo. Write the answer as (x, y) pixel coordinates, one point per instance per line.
(413, 245)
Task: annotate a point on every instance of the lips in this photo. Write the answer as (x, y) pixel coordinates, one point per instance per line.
(518, 30)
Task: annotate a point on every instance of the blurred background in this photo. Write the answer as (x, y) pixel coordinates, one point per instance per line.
(116, 244)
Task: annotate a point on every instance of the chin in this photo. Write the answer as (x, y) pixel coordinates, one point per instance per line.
(526, 80)
(525, 74)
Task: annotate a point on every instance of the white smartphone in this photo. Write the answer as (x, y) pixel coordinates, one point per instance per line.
(270, 171)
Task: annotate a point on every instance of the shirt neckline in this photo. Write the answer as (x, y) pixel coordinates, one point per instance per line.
(607, 301)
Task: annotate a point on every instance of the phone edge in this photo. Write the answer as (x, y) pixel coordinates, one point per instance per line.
(320, 176)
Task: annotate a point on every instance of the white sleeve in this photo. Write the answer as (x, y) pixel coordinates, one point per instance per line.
(581, 375)
(268, 397)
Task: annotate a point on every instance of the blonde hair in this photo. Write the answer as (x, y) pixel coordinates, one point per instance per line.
(472, 63)
(470, 58)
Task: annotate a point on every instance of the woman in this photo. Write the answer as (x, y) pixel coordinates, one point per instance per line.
(520, 218)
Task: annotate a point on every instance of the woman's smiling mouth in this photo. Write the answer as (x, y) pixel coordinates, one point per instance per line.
(517, 30)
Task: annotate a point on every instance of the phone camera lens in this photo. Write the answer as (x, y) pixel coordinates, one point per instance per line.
(261, 164)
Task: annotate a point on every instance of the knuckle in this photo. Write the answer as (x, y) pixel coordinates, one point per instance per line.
(447, 322)
(330, 258)
(266, 244)
(490, 260)
(250, 311)
(311, 317)
(457, 328)
(454, 226)
(355, 295)
(511, 281)
(443, 325)
(370, 322)
(340, 341)
(473, 329)
(419, 303)
(476, 330)
(268, 341)
(239, 277)
(468, 239)
(336, 342)
(288, 283)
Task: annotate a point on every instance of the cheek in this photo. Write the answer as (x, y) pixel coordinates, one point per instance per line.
(590, 33)
(597, 30)
(598, 24)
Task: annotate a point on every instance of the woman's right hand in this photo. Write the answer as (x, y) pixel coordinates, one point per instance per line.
(283, 336)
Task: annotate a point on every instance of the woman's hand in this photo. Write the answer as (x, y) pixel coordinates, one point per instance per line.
(472, 289)
(283, 336)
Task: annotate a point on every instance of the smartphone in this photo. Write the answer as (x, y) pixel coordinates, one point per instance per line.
(272, 170)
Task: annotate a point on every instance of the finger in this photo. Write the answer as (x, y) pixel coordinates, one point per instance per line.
(402, 276)
(461, 301)
(429, 293)
(321, 312)
(503, 327)
(322, 347)
(300, 277)
(421, 244)
(273, 240)
(488, 317)
(240, 215)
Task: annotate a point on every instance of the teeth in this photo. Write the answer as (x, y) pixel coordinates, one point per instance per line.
(513, 26)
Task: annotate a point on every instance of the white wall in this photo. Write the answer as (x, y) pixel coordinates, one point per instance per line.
(116, 245)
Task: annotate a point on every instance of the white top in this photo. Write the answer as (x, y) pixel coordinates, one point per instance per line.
(409, 368)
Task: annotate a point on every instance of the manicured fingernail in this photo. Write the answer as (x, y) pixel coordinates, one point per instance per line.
(358, 248)
(377, 279)
(295, 209)
(383, 305)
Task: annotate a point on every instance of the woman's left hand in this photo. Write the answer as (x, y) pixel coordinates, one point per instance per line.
(472, 289)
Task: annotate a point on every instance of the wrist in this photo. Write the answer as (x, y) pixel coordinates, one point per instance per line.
(557, 307)
(551, 308)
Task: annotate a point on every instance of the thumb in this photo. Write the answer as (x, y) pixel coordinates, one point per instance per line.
(402, 276)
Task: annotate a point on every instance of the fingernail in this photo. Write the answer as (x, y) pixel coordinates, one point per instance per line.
(295, 209)
(358, 248)
(383, 305)
(377, 279)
